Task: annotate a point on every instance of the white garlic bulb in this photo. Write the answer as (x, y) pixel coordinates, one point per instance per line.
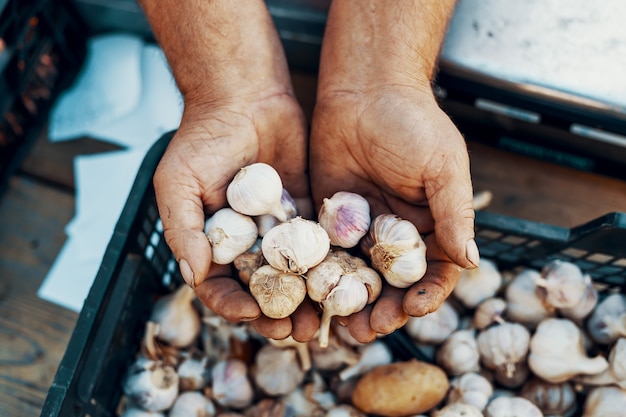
(346, 218)
(579, 312)
(177, 318)
(524, 305)
(230, 234)
(265, 222)
(255, 190)
(230, 385)
(470, 388)
(562, 284)
(295, 245)
(151, 385)
(503, 346)
(557, 353)
(605, 402)
(278, 293)
(192, 403)
(459, 353)
(552, 399)
(193, 373)
(435, 327)
(608, 320)
(488, 312)
(371, 355)
(332, 357)
(457, 410)
(615, 374)
(277, 371)
(512, 407)
(476, 285)
(397, 250)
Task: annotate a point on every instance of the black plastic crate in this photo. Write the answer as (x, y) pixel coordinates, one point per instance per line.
(42, 47)
(138, 267)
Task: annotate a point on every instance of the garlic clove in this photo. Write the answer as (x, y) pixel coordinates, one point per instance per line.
(512, 407)
(557, 353)
(177, 318)
(346, 218)
(192, 403)
(476, 285)
(459, 353)
(607, 322)
(503, 347)
(397, 250)
(295, 245)
(255, 190)
(151, 385)
(433, 328)
(562, 284)
(278, 293)
(230, 234)
(230, 385)
(458, 409)
(277, 371)
(470, 388)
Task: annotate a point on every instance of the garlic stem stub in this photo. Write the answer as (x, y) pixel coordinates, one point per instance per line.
(398, 251)
(255, 190)
(346, 218)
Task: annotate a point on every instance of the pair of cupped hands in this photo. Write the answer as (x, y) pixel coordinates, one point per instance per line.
(391, 144)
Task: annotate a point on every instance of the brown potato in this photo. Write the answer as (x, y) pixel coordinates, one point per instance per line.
(401, 389)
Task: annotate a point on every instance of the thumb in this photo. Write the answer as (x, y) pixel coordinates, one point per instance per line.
(451, 203)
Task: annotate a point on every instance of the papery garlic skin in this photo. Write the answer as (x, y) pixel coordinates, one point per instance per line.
(151, 384)
(277, 371)
(557, 353)
(471, 388)
(433, 328)
(503, 346)
(230, 234)
(177, 318)
(605, 402)
(346, 218)
(512, 407)
(255, 190)
(398, 251)
(607, 322)
(295, 245)
(194, 404)
(230, 386)
(278, 293)
(476, 285)
(459, 353)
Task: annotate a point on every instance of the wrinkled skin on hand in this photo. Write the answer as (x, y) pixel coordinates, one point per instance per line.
(398, 149)
(213, 142)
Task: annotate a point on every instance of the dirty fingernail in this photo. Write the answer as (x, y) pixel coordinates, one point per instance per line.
(186, 272)
(471, 253)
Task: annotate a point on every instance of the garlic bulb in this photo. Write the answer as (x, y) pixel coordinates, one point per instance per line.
(371, 355)
(470, 388)
(489, 312)
(343, 284)
(277, 371)
(255, 190)
(458, 409)
(301, 349)
(557, 400)
(459, 353)
(265, 222)
(434, 327)
(476, 285)
(230, 384)
(230, 234)
(514, 379)
(295, 245)
(177, 318)
(346, 218)
(615, 374)
(512, 407)
(579, 312)
(562, 284)
(503, 346)
(397, 250)
(193, 373)
(278, 293)
(605, 402)
(608, 321)
(557, 352)
(151, 385)
(192, 403)
(524, 305)
(332, 357)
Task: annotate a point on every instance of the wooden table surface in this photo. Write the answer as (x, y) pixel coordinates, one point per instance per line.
(40, 201)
